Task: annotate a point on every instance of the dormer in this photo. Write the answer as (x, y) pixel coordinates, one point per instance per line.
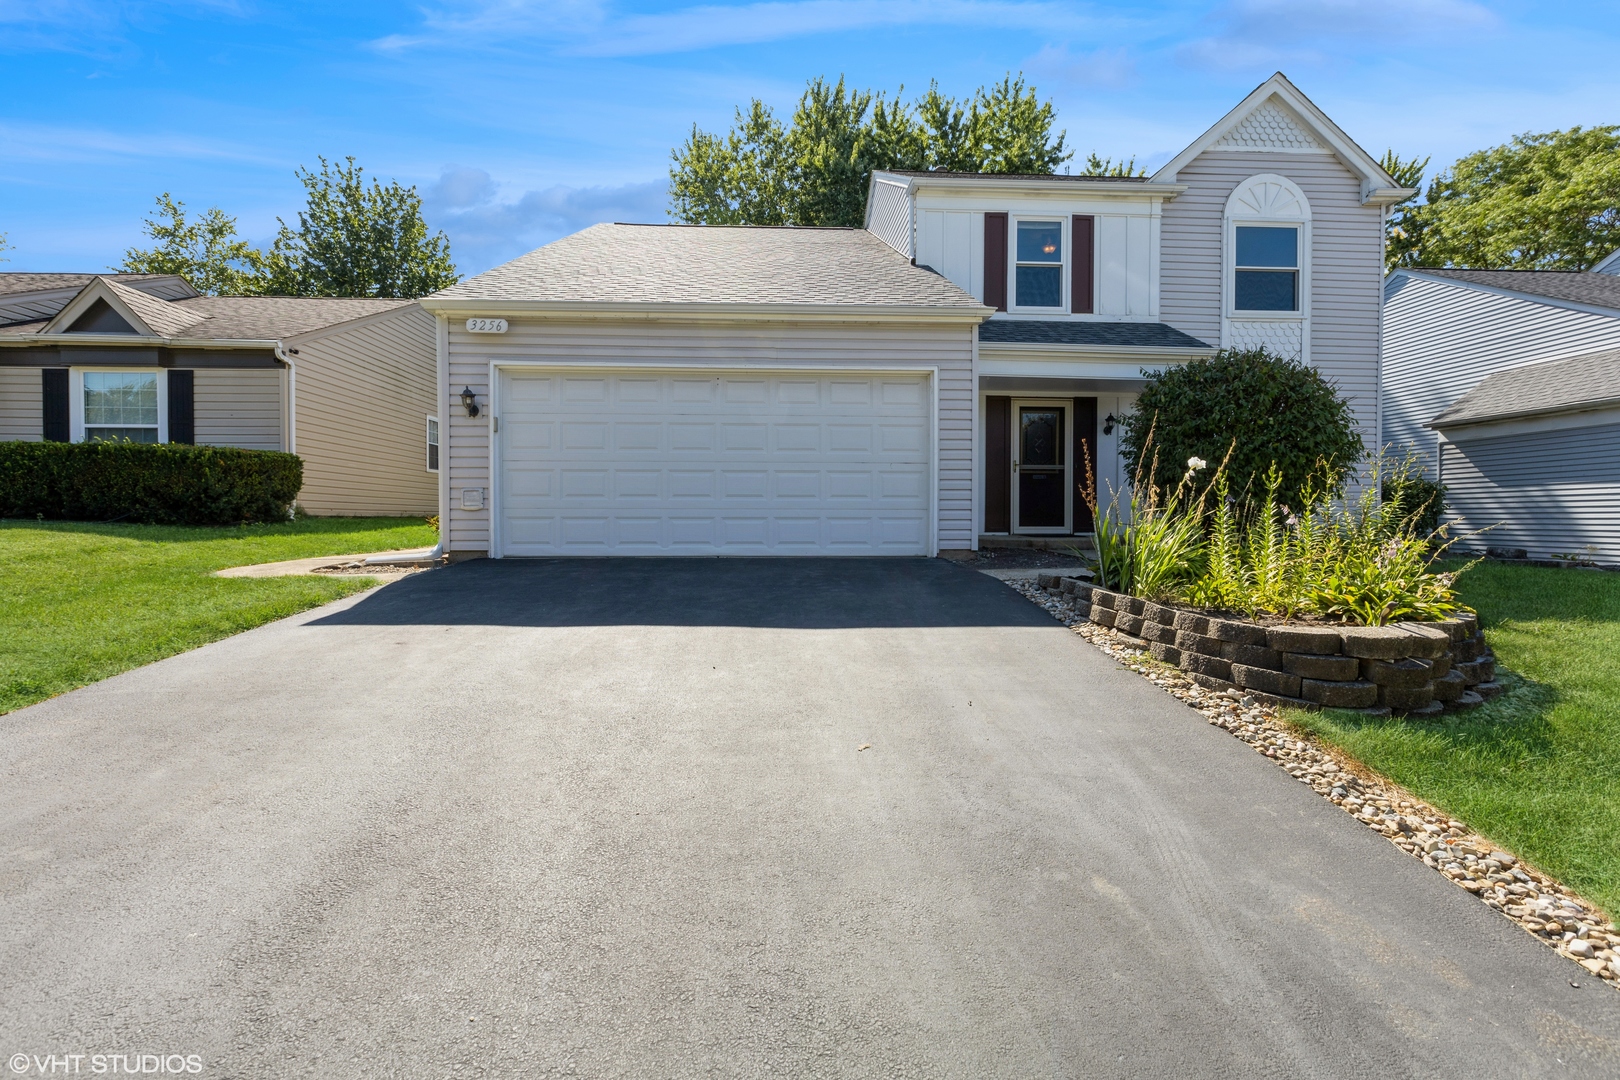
(105, 306)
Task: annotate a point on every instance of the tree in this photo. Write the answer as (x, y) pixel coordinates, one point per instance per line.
(1101, 166)
(206, 251)
(1403, 231)
(5, 245)
(355, 239)
(814, 171)
(1538, 202)
(1277, 411)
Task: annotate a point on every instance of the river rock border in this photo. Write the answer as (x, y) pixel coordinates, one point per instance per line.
(1540, 905)
(1407, 668)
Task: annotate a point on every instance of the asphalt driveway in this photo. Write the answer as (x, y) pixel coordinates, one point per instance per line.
(612, 819)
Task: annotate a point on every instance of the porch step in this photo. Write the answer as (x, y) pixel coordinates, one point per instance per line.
(1036, 543)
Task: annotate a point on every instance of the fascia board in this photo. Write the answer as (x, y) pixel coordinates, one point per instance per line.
(138, 341)
(1012, 349)
(466, 307)
(1496, 290)
(1046, 201)
(1071, 188)
(1372, 174)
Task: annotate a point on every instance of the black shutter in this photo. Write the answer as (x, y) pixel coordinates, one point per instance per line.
(1085, 454)
(182, 410)
(56, 426)
(1080, 278)
(995, 261)
(997, 464)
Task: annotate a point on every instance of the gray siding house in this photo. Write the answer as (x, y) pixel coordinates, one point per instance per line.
(936, 381)
(347, 384)
(1499, 381)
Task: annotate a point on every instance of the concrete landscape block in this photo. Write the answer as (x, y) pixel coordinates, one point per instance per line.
(1188, 641)
(1165, 653)
(1469, 700)
(1449, 687)
(1209, 682)
(1102, 616)
(1153, 631)
(1165, 616)
(1048, 581)
(1241, 633)
(1266, 680)
(1432, 708)
(1431, 640)
(1487, 668)
(1466, 650)
(1131, 604)
(1191, 623)
(1440, 665)
(1083, 589)
(1130, 624)
(1322, 668)
(1471, 672)
(1401, 674)
(1303, 639)
(1340, 695)
(1205, 665)
(1082, 608)
(1470, 623)
(1281, 701)
(1258, 656)
(1379, 642)
(1103, 598)
(1487, 690)
(1406, 699)
(1454, 627)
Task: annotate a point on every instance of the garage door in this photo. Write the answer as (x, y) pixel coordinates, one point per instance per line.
(705, 463)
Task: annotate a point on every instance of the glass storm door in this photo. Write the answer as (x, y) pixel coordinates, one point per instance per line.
(1040, 467)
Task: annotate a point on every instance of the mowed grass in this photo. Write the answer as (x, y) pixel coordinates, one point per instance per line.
(1537, 770)
(81, 602)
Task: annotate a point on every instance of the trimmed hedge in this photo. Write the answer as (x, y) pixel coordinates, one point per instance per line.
(164, 484)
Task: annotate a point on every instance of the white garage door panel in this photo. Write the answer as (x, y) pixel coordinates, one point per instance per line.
(694, 463)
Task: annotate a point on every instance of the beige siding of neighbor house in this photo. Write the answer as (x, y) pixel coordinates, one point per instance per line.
(239, 407)
(364, 394)
(21, 405)
(805, 346)
(1346, 269)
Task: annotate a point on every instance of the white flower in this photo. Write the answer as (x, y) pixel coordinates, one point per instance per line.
(1196, 463)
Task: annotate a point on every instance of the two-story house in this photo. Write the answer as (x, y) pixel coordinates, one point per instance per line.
(936, 379)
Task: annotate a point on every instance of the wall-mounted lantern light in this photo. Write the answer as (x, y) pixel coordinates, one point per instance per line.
(1108, 422)
(469, 400)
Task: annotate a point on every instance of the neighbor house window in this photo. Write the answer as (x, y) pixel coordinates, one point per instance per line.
(121, 406)
(1038, 274)
(1266, 277)
(432, 444)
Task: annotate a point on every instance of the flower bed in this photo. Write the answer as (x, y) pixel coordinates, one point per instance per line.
(1413, 668)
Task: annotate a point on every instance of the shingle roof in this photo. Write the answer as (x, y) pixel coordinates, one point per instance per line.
(1573, 286)
(12, 282)
(1075, 178)
(240, 318)
(1066, 332)
(713, 264)
(166, 317)
(1550, 387)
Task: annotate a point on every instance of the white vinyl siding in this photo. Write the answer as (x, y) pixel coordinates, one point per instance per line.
(363, 391)
(1345, 258)
(1551, 492)
(1441, 338)
(22, 403)
(804, 346)
(952, 243)
(888, 215)
(238, 407)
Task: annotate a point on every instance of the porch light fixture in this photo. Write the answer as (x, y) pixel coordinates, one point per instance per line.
(469, 401)
(1108, 423)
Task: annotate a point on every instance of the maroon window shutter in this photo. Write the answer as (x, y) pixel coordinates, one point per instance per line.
(1081, 284)
(995, 261)
(997, 464)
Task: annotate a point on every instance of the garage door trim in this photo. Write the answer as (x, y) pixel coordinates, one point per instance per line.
(496, 367)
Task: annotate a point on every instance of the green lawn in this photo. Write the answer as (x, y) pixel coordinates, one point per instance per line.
(1537, 770)
(81, 602)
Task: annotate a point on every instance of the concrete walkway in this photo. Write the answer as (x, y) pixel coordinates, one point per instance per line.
(610, 818)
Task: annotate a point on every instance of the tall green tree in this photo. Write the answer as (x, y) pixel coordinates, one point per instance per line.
(814, 170)
(1547, 201)
(356, 238)
(1404, 231)
(1101, 166)
(206, 251)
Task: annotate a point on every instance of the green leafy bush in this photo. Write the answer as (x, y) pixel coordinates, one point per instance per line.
(1265, 410)
(1417, 497)
(165, 484)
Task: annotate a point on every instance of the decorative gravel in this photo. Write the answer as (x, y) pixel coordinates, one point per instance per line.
(1534, 901)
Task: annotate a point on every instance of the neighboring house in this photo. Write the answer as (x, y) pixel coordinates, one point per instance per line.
(1480, 380)
(932, 382)
(347, 384)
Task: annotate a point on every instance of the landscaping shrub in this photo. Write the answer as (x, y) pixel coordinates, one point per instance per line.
(1262, 409)
(1416, 496)
(163, 484)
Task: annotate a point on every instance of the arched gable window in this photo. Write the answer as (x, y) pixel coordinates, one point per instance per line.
(1267, 266)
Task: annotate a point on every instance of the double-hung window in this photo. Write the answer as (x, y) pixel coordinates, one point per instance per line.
(121, 406)
(433, 444)
(1266, 276)
(1038, 270)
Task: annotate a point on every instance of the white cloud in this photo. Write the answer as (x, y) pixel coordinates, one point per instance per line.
(1257, 33)
(484, 230)
(589, 28)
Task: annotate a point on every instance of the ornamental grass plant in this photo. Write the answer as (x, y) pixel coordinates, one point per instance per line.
(1365, 558)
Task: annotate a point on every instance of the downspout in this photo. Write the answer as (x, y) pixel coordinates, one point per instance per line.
(292, 398)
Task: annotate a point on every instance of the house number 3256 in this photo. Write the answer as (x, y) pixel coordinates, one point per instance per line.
(486, 326)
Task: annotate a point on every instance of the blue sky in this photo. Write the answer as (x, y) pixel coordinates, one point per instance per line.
(522, 122)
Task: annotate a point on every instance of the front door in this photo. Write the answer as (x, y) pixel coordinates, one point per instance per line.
(1040, 486)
